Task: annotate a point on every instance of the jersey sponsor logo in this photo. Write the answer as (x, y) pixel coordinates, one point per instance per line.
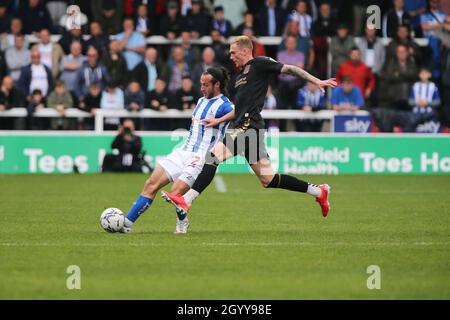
(240, 82)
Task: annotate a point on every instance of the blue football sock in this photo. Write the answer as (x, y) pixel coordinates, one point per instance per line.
(142, 203)
(180, 215)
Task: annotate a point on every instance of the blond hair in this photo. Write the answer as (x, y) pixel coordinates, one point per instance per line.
(243, 42)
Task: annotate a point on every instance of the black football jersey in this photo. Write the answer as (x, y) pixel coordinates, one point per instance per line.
(250, 91)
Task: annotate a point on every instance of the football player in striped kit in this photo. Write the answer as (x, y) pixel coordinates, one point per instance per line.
(209, 121)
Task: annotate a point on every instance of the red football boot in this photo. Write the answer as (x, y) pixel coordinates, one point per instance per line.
(177, 201)
(323, 199)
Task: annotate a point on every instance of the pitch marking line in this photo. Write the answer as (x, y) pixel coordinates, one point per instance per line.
(226, 244)
(220, 184)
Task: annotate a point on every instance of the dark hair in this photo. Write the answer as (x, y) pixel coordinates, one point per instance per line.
(219, 74)
(36, 92)
(347, 79)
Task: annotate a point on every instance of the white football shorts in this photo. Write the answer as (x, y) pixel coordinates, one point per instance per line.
(183, 165)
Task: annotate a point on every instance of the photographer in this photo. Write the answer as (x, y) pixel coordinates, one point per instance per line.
(127, 155)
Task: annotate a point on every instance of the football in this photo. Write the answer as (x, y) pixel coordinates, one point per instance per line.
(112, 220)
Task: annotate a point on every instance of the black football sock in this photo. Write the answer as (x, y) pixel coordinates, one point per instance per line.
(207, 175)
(284, 181)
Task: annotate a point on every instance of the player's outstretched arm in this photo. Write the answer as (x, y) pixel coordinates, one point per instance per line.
(299, 72)
(211, 122)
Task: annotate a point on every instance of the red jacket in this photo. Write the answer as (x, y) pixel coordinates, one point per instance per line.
(361, 75)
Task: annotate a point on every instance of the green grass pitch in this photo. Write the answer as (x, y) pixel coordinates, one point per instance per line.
(247, 243)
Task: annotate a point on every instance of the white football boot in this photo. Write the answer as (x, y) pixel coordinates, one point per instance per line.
(127, 224)
(182, 226)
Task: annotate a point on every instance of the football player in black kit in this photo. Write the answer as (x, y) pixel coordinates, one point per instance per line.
(245, 135)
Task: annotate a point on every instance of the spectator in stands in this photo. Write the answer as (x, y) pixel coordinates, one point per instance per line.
(395, 17)
(112, 99)
(197, 20)
(5, 18)
(57, 9)
(115, 64)
(71, 36)
(249, 22)
(98, 39)
(131, 43)
(143, 25)
(110, 15)
(158, 99)
(208, 57)
(17, 56)
(10, 97)
(340, 47)
(185, 99)
(90, 104)
(220, 23)
(396, 79)
(35, 17)
(302, 18)
(347, 96)
(3, 66)
(424, 98)
(233, 10)
(8, 40)
(415, 9)
(325, 25)
(172, 22)
(60, 100)
(360, 73)
(221, 49)
(36, 103)
(35, 76)
(446, 86)
(70, 64)
(403, 36)
(177, 67)
(149, 70)
(433, 21)
(310, 99)
(272, 19)
(372, 50)
(51, 53)
(134, 97)
(91, 72)
(304, 44)
(288, 85)
(191, 52)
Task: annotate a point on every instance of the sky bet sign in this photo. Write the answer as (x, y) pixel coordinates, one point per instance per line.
(352, 123)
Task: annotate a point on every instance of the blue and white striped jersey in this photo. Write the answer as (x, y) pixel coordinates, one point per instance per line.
(201, 139)
(426, 91)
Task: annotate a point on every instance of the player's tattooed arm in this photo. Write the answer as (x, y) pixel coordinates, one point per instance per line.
(300, 73)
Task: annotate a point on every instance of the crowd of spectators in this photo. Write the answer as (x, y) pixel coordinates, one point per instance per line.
(108, 64)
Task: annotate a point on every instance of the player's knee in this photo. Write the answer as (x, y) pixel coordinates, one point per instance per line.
(270, 181)
(266, 181)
